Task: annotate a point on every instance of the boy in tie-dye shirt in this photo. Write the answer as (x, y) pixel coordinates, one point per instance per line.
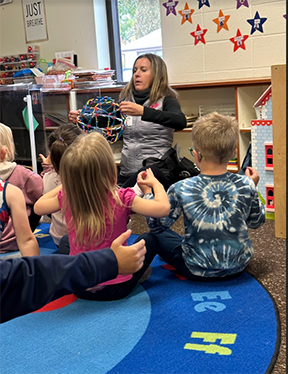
(218, 207)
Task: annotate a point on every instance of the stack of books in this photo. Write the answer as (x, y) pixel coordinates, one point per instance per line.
(93, 78)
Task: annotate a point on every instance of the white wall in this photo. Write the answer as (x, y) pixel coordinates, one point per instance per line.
(70, 26)
(215, 60)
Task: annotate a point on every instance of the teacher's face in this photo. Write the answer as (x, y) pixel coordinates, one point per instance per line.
(142, 74)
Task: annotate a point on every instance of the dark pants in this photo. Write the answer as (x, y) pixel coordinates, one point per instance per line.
(168, 246)
(64, 246)
(121, 290)
(130, 180)
(33, 220)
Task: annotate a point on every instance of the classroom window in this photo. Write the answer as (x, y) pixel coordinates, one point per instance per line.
(134, 28)
(269, 155)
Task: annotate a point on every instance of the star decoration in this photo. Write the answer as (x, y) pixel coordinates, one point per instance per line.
(199, 35)
(170, 7)
(256, 23)
(221, 21)
(284, 15)
(242, 2)
(239, 40)
(186, 14)
(203, 2)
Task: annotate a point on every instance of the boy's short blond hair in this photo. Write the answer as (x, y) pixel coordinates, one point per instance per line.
(216, 137)
(7, 142)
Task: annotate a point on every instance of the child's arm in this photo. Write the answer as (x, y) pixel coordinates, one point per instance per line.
(159, 206)
(257, 211)
(29, 283)
(46, 164)
(253, 174)
(157, 225)
(26, 241)
(48, 203)
(45, 160)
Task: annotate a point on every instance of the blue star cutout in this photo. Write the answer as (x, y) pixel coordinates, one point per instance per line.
(256, 23)
(203, 2)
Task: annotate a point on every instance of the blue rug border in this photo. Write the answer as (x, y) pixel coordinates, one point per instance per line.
(277, 315)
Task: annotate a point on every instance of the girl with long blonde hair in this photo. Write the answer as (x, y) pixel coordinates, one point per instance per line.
(96, 209)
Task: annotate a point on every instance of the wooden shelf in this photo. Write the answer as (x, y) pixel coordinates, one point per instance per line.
(176, 86)
(236, 83)
(187, 129)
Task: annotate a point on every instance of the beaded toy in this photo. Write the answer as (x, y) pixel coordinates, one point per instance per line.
(102, 114)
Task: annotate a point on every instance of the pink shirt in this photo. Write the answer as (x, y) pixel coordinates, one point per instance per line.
(120, 219)
(31, 184)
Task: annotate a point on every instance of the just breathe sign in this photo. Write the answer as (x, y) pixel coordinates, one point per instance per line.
(34, 20)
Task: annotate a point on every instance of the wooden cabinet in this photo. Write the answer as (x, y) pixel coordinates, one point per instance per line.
(245, 97)
(235, 98)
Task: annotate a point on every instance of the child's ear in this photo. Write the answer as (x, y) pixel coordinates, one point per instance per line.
(3, 153)
(197, 157)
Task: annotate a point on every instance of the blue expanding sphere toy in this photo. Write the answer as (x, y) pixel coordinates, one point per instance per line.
(102, 114)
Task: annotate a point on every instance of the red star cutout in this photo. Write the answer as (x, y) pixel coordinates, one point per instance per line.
(186, 14)
(199, 35)
(221, 21)
(239, 40)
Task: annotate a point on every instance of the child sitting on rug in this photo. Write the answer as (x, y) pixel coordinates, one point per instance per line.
(96, 210)
(58, 142)
(217, 207)
(12, 205)
(31, 184)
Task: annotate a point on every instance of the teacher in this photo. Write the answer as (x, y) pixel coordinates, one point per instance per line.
(153, 114)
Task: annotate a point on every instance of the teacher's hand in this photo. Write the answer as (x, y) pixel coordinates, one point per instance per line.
(131, 109)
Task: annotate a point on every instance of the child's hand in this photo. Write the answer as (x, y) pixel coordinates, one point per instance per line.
(253, 174)
(147, 178)
(130, 258)
(73, 114)
(45, 160)
(140, 178)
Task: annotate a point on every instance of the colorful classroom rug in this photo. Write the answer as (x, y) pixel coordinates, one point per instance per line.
(167, 325)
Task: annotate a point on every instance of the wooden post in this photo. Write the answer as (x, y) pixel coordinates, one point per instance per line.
(278, 79)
